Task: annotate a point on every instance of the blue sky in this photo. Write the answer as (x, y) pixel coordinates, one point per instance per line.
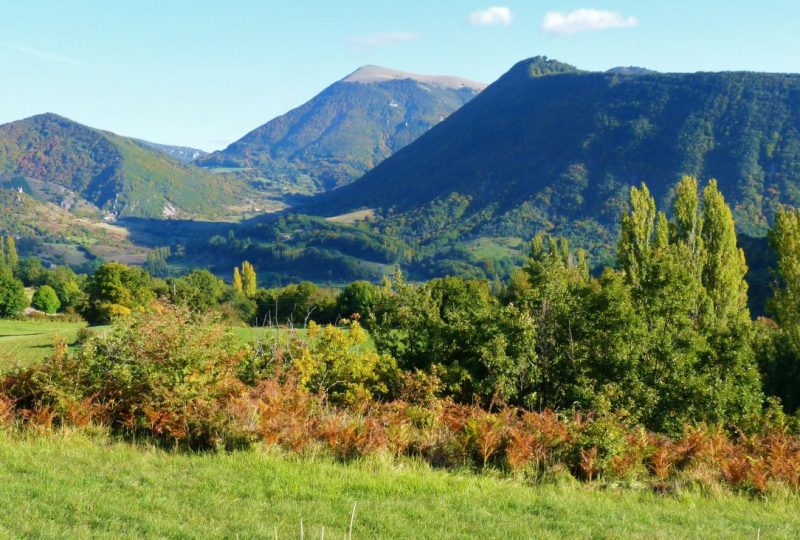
(202, 73)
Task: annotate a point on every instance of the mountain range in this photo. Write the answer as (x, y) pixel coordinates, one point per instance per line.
(347, 129)
(81, 168)
(456, 179)
(549, 147)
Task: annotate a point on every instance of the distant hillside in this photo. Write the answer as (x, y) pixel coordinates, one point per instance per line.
(57, 236)
(551, 148)
(71, 162)
(349, 128)
(181, 153)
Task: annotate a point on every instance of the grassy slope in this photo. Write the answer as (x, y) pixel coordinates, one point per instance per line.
(151, 180)
(28, 342)
(72, 487)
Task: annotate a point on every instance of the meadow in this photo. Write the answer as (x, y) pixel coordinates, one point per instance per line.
(78, 485)
(23, 343)
(26, 342)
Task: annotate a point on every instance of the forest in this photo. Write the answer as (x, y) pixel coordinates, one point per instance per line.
(651, 369)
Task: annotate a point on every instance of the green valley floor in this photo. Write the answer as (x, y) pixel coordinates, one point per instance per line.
(72, 485)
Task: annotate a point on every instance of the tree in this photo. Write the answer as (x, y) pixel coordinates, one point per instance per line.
(67, 284)
(456, 329)
(45, 299)
(356, 298)
(249, 279)
(780, 347)
(30, 271)
(12, 295)
(116, 289)
(687, 281)
(730, 364)
(12, 257)
(785, 305)
(237, 280)
(199, 289)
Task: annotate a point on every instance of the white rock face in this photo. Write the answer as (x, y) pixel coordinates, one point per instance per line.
(373, 74)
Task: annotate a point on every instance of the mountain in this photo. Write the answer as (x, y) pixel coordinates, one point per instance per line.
(183, 154)
(549, 147)
(61, 161)
(59, 237)
(347, 129)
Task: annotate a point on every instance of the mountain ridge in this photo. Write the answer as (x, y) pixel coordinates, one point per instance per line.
(345, 130)
(551, 148)
(121, 176)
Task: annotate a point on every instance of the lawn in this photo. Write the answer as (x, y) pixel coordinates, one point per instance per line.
(72, 486)
(28, 342)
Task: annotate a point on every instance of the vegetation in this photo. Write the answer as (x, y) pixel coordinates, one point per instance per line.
(45, 299)
(341, 133)
(548, 148)
(68, 486)
(652, 372)
(118, 175)
(29, 342)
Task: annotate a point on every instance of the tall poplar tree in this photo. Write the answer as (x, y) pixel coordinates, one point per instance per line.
(237, 280)
(781, 364)
(249, 279)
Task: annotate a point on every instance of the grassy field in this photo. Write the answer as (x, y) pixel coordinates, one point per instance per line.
(23, 343)
(71, 486)
(28, 342)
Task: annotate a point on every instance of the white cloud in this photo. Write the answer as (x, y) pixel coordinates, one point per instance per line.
(585, 20)
(383, 40)
(493, 16)
(45, 55)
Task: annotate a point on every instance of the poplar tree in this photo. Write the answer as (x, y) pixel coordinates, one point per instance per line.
(249, 279)
(12, 258)
(730, 364)
(634, 250)
(237, 279)
(785, 305)
(781, 359)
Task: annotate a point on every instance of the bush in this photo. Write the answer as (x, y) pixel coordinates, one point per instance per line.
(45, 299)
(12, 295)
(166, 373)
(337, 363)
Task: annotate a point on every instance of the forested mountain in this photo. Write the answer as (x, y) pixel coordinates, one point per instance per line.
(347, 129)
(64, 162)
(551, 148)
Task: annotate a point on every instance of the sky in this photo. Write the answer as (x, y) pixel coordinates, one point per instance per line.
(204, 73)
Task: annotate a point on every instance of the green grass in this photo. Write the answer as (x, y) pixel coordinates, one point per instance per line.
(23, 343)
(27, 342)
(248, 334)
(71, 486)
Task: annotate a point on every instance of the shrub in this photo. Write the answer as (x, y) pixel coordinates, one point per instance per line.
(166, 373)
(12, 295)
(337, 363)
(45, 299)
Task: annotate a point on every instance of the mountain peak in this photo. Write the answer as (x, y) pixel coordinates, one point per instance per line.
(539, 66)
(377, 74)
